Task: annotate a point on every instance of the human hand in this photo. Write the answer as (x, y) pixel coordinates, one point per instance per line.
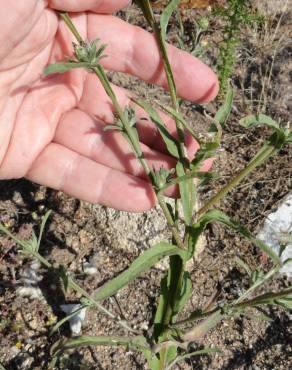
(51, 129)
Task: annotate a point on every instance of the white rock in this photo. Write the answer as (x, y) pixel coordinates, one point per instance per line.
(277, 231)
(30, 276)
(30, 292)
(76, 321)
(30, 279)
(89, 269)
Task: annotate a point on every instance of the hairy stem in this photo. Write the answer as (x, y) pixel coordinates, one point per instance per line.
(100, 73)
(231, 308)
(267, 151)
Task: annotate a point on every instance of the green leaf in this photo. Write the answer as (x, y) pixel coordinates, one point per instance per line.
(214, 215)
(185, 293)
(26, 246)
(164, 297)
(63, 67)
(260, 317)
(243, 265)
(65, 319)
(201, 329)
(187, 193)
(175, 290)
(170, 354)
(193, 233)
(289, 138)
(257, 276)
(43, 224)
(63, 274)
(224, 111)
(141, 264)
(170, 142)
(206, 351)
(205, 177)
(165, 16)
(178, 116)
(152, 359)
(285, 303)
(33, 243)
(259, 119)
(206, 151)
(112, 127)
(137, 343)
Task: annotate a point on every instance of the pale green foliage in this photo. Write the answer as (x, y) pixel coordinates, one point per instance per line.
(235, 15)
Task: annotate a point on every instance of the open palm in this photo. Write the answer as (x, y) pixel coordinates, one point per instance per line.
(51, 129)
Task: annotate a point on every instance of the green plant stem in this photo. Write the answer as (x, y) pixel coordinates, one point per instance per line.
(170, 221)
(71, 27)
(257, 284)
(100, 73)
(230, 309)
(204, 326)
(175, 286)
(25, 246)
(138, 152)
(176, 264)
(267, 151)
(78, 289)
(264, 299)
(173, 92)
(148, 13)
(172, 88)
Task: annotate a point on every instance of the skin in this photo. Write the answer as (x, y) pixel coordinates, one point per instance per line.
(51, 128)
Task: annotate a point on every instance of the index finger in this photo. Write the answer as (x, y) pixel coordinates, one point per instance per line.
(99, 6)
(134, 51)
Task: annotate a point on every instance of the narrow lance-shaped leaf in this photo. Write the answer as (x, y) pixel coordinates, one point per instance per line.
(33, 242)
(243, 265)
(187, 192)
(206, 351)
(266, 298)
(63, 67)
(185, 293)
(138, 343)
(65, 319)
(141, 264)
(285, 303)
(178, 116)
(214, 215)
(43, 224)
(26, 246)
(203, 176)
(165, 298)
(170, 142)
(165, 16)
(289, 138)
(200, 330)
(224, 111)
(259, 119)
